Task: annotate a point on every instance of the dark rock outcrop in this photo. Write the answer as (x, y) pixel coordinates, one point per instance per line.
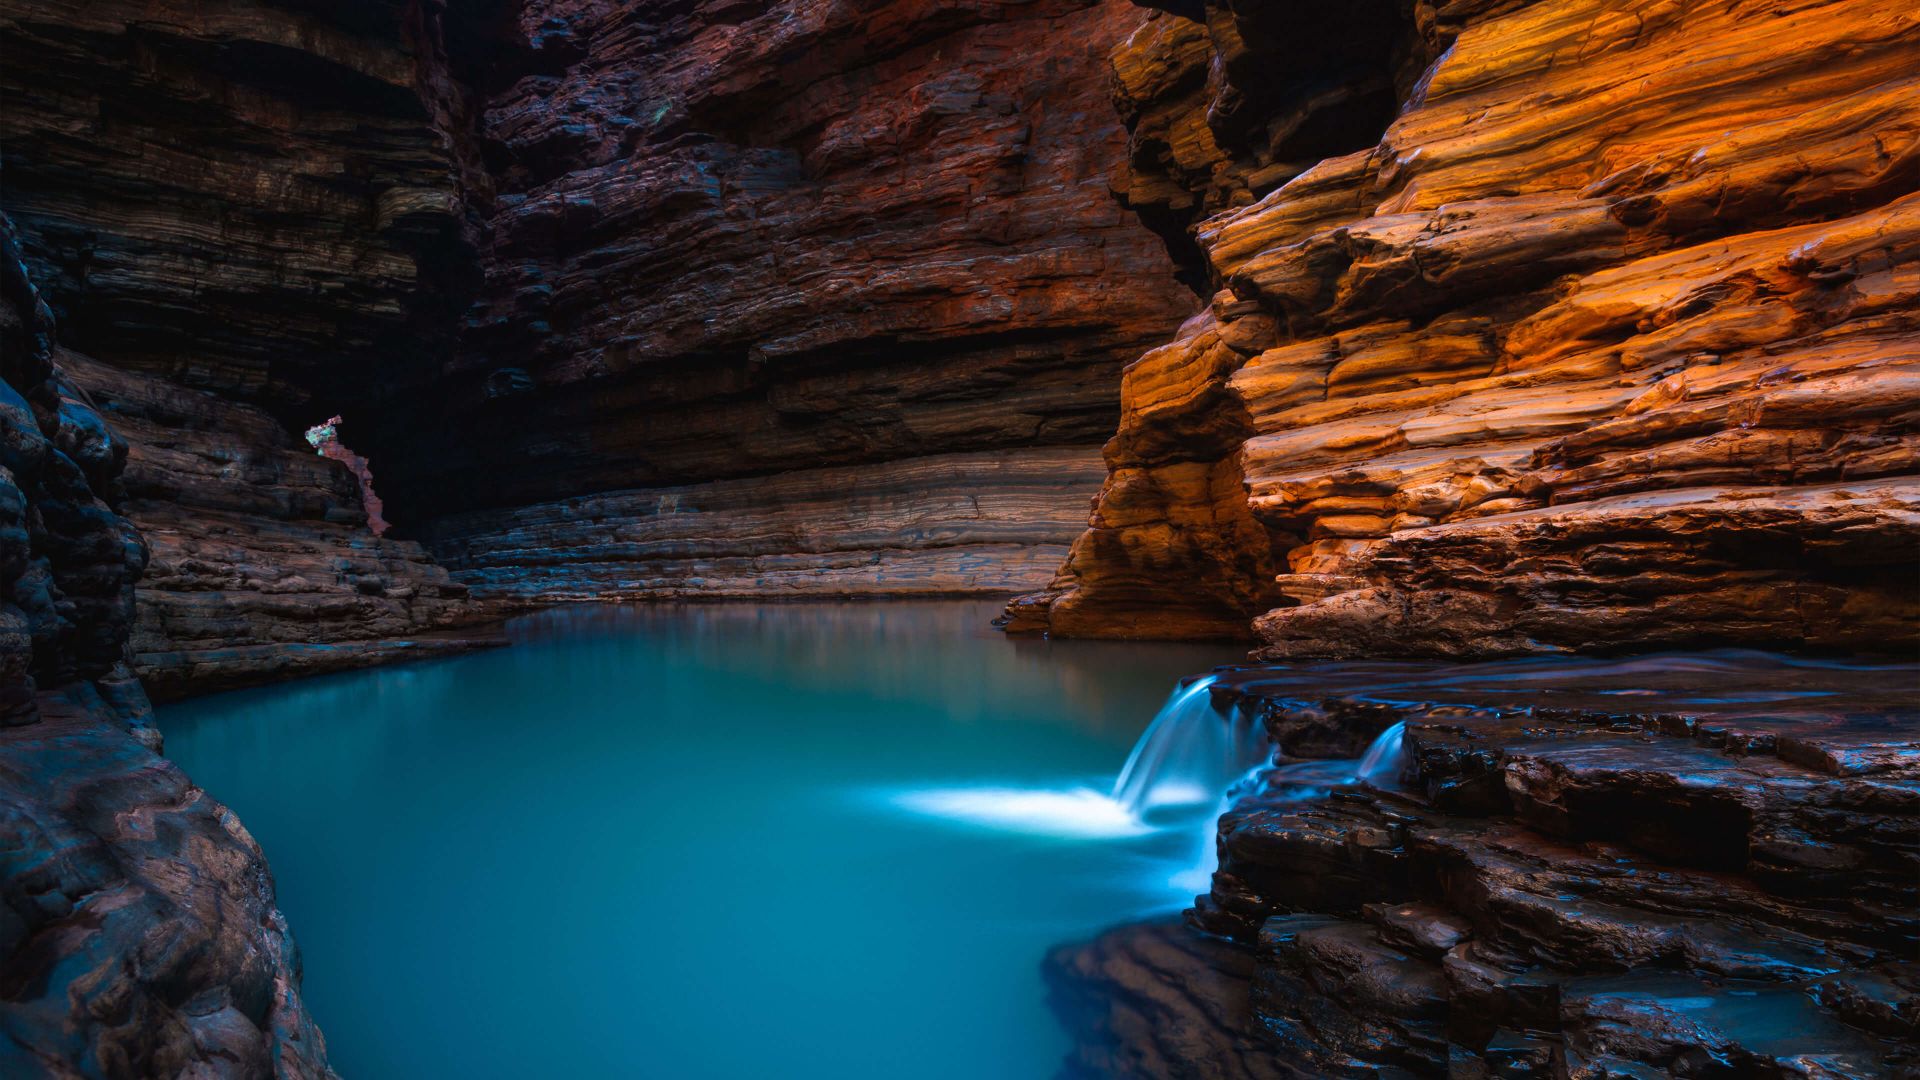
(263, 565)
(138, 932)
(1669, 866)
(1608, 342)
(244, 215)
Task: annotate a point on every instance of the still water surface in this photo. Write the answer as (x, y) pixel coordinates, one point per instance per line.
(703, 841)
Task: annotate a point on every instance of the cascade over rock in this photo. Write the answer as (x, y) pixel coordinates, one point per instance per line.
(1531, 326)
(1696, 865)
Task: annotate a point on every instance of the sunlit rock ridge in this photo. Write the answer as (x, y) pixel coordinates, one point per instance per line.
(1609, 341)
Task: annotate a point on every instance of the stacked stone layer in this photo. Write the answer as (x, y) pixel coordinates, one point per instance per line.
(138, 932)
(804, 247)
(1609, 342)
(244, 215)
(1674, 866)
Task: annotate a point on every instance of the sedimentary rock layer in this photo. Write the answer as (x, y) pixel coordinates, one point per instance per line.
(1671, 866)
(571, 249)
(953, 523)
(138, 933)
(1610, 341)
(243, 214)
(141, 936)
(248, 198)
(800, 236)
(262, 565)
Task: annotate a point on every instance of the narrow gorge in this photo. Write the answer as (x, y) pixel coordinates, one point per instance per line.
(1528, 390)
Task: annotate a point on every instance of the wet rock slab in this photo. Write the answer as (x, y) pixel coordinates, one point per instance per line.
(1699, 865)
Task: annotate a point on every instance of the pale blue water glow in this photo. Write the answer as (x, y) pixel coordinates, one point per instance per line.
(703, 842)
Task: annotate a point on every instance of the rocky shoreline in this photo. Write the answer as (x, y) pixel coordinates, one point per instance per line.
(1687, 865)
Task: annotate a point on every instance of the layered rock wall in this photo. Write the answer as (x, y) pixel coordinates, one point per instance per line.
(833, 262)
(561, 264)
(138, 931)
(262, 563)
(1609, 342)
(245, 215)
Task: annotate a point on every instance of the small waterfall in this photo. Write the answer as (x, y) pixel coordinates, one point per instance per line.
(1192, 760)
(1384, 760)
(1380, 766)
(1189, 753)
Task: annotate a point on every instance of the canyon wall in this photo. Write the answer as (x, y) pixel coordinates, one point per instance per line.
(243, 214)
(137, 921)
(794, 297)
(1608, 341)
(619, 300)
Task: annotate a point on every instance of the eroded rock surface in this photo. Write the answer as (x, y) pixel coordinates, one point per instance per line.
(138, 932)
(245, 215)
(845, 261)
(1610, 340)
(571, 269)
(1676, 865)
(262, 563)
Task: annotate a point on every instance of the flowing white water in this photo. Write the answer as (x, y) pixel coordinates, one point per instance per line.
(1190, 756)
(1295, 782)
(1189, 753)
(1384, 760)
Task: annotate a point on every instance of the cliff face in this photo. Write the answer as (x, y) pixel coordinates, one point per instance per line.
(137, 918)
(244, 215)
(856, 267)
(618, 299)
(1608, 342)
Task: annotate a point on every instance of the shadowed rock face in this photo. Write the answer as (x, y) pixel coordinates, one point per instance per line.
(867, 252)
(1608, 342)
(1670, 866)
(585, 280)
(244, 214)
(138, 932)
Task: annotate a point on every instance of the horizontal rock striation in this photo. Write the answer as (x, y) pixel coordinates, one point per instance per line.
(954, 523)
(248, 198)
(243, 215)
(859, 242)
(262, 565)
(1693, 865)
(1610, 341)
(138, 932)
(576, 250)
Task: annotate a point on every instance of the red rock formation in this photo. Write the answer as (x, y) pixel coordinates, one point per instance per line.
(875, 242)
(841, 263)
(263, 565)
(1609, 342)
